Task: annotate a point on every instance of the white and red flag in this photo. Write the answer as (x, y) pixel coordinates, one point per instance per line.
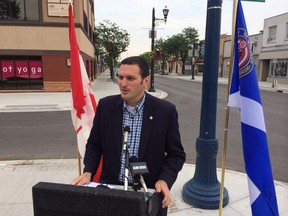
(84, 103)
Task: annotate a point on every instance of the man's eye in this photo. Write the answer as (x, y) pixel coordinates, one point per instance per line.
(120, 77)
(129, 78)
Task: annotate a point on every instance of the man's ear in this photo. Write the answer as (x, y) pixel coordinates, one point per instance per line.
(146, 82)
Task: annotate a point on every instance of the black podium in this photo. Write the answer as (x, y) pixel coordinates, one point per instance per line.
(52, 199)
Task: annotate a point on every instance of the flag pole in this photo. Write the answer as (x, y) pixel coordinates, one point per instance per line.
(79, 162)
(70, 2)
(224, 147)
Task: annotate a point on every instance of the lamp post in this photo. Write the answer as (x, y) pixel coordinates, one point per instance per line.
(203, 190)
(165, 13)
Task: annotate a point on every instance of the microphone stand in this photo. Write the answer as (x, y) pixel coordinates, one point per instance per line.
(137, 169)
(125, 149)
(126, 173)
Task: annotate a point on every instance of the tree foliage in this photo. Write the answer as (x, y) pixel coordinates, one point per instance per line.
(180, 48)
(10, 9)
(192, 36)
(162, 45)
(147, 57)
(166, 47)
(177, 46)
(111, 41)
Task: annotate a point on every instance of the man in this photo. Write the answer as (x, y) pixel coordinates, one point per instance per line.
(154, 135)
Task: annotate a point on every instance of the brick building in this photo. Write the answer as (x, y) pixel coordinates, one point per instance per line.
(34, 45)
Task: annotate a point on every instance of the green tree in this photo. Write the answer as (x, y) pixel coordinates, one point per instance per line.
(177, 46)
(162, 45)
(147, 57)
(192, 37)
(111, 42)
(10, 9)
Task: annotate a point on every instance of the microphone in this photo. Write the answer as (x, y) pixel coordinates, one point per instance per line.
(126, 131)
(138, 168)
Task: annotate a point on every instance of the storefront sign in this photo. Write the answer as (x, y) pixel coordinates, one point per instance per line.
(35, 69)
(7, 69)
(21, 68)
(58, 8)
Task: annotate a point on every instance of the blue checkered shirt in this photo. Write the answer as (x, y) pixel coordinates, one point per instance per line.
(132, 117)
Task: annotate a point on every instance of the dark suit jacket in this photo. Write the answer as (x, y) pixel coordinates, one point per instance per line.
(160, 143)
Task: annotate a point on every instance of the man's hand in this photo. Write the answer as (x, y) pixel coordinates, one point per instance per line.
(82, 179)
(161, 186)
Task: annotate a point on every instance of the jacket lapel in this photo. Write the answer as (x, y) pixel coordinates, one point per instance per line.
(116, 121)
(147, 126)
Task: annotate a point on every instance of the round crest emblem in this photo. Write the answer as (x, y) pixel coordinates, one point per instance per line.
(245, 58)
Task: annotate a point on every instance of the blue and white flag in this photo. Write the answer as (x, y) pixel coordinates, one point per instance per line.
(244, 94)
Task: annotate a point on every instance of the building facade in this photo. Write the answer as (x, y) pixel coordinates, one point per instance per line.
(199, 64)
(255, 42)
(274, 53)
(269, 49)
(34, 45)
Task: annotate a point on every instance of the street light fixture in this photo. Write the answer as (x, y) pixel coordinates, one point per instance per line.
(153, 35)
(165, 13)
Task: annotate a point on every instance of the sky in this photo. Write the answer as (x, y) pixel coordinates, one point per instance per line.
(135, 16)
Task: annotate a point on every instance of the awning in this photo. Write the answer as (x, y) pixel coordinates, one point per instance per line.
(281, 54)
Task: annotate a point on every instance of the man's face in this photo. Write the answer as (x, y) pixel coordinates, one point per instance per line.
(131, 84)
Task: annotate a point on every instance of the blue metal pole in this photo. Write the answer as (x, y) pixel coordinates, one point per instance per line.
(203, 190)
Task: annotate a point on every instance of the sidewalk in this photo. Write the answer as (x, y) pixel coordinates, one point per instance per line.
(56, 101)
(102, 86)
(281, 88)
(18, 177)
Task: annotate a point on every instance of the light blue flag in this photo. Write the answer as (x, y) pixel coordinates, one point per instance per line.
(244, 94)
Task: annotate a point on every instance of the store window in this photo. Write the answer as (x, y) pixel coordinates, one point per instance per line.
(278, 68)
(19, 10)
(21, 73)
(272, 34)
(85, 23)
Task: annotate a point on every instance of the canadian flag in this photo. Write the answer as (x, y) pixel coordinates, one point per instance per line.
(84, 103)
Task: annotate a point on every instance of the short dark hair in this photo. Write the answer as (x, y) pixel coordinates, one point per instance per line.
(137, 60)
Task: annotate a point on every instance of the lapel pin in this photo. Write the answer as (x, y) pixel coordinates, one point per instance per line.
(151, 117)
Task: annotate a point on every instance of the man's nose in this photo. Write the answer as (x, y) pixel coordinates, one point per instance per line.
(124, 82)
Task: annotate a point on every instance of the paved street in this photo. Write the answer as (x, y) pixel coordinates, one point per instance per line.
(20, 176)
(187, 96)
(50, 134)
